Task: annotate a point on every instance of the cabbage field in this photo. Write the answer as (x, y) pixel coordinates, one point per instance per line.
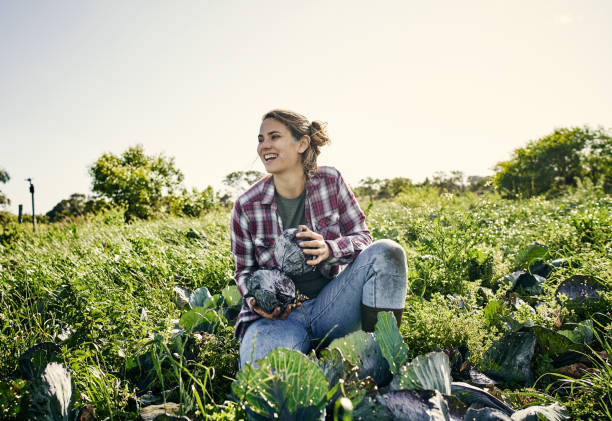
(508, 317)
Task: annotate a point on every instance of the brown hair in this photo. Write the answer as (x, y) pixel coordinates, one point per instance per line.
(299, 126)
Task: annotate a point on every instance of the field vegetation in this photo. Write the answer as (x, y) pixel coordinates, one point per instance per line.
(98, 296)
(127, 312)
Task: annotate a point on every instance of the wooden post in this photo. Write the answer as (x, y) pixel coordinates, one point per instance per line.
(20, 215)
(33, 209)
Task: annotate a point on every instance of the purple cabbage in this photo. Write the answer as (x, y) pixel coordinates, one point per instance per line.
(271, 288)
(290, 256)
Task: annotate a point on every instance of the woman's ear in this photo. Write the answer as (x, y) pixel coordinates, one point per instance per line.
(304, 144)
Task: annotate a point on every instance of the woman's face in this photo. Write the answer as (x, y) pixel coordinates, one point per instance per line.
(277, 149)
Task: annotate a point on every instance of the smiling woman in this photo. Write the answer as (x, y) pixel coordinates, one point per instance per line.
(351, 281)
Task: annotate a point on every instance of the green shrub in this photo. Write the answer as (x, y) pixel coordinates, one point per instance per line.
(439, 324)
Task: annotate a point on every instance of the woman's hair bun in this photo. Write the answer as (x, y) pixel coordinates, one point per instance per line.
(318, 133)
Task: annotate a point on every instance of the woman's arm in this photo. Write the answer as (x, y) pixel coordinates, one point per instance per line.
(242, 247)
(355, 235)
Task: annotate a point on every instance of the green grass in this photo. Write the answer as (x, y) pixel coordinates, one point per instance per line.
(103, 291)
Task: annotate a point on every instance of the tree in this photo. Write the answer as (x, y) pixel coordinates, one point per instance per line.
(238, 181)
(135, 180)
(192, 203)
(368, 187)
(478, 183)
(554, 162)
(4, 177)
(453, 183)
(76, 205)
(390, 188)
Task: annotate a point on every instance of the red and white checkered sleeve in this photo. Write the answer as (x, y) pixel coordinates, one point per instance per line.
(242, 247)
(355, 235)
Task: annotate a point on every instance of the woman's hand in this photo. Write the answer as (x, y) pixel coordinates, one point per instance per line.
(316, 246)
(275, 315)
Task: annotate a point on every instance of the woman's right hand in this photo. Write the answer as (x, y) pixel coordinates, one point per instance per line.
(275, 315)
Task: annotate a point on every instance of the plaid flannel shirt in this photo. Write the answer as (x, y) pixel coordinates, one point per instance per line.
(331, 210)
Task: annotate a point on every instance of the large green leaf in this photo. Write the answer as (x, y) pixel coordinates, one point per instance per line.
(553, 343)
(200, 318)
(530, 254)
(486, 414)
(391, 342)
(371, 409)
(361, 349)
(530, 283)
(554, 412)
(338, 369)
(286, 385)
(581, 288)
(425, 372)
(231, 296)
(581, 334)
(32, 363)
(412, 405)
(512, 278)
(509, 359)
(200, 298)
(472, 395)
(523, 280)
(51, 394)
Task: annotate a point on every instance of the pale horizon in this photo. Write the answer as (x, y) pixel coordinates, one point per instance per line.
(407, 88)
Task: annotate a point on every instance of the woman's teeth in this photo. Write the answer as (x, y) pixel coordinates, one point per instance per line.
(270, 156)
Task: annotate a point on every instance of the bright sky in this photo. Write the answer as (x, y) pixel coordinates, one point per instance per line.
(408, 88)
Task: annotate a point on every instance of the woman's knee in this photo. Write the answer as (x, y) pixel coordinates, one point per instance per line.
(388, 255)
(387, 286)
(264, 335)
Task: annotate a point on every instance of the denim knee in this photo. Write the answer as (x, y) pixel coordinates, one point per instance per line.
(387, 284)
(389, 257)
(263, 336)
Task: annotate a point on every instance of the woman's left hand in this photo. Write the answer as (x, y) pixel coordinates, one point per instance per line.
(316, 246)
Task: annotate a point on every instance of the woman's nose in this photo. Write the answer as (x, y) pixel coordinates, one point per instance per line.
(265, 143)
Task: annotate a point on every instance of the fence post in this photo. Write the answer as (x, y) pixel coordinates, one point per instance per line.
(33, 210)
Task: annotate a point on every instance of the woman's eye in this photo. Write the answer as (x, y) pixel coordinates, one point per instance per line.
(260, 140)
(275, 136)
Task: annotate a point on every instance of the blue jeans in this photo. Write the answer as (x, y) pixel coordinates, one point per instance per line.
(376, 278)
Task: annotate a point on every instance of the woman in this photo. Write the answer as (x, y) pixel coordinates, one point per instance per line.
(318, 201)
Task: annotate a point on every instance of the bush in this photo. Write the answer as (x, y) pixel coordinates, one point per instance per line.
(439, 323)
(554, 162)
(193, 203)
(135, 180)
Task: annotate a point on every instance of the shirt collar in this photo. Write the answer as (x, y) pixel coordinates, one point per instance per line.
(312, 184)
(267, 189)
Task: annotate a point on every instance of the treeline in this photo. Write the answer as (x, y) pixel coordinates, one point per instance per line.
(146, 186)
(546, 166)
(455, 182)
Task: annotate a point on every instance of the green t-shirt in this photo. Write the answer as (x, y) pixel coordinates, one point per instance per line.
(292, 213)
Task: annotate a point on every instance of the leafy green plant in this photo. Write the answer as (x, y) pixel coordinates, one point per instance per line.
(13, 398)
(530, 254)
(285, 385)
(362, 350)
(435, 324)
(391, 343)
(425, 372)
(11, 233)
(590, 394)
(480, 266)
